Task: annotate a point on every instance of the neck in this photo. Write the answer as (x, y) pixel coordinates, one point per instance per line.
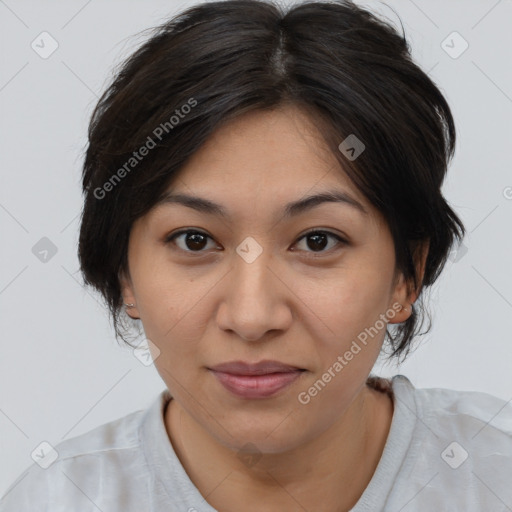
(330, 471)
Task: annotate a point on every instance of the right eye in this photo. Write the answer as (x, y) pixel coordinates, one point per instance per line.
(192, 240)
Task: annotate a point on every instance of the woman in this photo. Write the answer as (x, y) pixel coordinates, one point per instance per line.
(263, 197)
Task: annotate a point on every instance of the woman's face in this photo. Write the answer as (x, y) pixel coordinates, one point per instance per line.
(252, 287)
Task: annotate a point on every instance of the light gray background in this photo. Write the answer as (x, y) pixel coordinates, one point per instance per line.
(61, 371)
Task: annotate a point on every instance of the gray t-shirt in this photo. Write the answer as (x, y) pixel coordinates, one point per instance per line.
(446, 451)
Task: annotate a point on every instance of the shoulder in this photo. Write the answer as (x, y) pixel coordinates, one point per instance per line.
(466, 413)
(460, 452)
(118, 435)
(77, 470)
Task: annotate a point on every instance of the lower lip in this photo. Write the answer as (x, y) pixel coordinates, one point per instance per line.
(256, 386)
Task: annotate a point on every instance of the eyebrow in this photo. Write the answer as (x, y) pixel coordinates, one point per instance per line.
(291, 209)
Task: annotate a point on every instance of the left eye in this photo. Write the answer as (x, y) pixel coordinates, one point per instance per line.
(318, 239)
(195, 241)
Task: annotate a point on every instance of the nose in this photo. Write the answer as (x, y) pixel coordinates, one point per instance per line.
(255, 301)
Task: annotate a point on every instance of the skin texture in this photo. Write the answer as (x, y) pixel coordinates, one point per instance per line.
(298, 302)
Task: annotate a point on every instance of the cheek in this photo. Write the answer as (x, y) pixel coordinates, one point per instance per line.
(165, 294)
(348, 307)
(174, 310)
(349, 297)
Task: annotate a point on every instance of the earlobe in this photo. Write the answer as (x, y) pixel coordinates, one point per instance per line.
(400, 308)
(128, 296)
(404, 294)
(132, 313)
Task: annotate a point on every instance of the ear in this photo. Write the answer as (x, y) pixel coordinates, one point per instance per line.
(128, 295)
(404, 292)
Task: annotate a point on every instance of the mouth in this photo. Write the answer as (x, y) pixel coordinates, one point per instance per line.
(256, 380)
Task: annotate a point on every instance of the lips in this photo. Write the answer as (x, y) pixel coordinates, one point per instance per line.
(255, 380)
(260, 368)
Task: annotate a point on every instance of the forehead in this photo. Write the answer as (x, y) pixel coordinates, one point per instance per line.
(278, 152)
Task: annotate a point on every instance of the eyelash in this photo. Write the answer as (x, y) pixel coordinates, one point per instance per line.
(341, 241)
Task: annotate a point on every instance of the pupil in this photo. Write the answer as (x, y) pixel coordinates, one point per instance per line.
(195, 238)
(316, 238)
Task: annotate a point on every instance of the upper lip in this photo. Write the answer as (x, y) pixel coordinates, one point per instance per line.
(260, 368)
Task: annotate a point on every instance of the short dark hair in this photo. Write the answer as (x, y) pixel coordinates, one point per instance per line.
(351, 72)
